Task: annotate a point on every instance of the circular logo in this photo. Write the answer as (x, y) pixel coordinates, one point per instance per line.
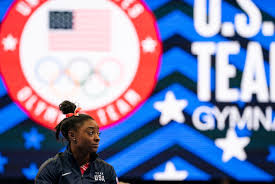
(102, 54)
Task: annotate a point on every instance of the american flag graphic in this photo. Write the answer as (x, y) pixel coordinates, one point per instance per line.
(88, 30)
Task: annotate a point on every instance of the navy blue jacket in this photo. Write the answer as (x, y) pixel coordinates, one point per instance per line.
(63, 169)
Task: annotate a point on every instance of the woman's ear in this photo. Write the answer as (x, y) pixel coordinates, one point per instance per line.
(72, 137)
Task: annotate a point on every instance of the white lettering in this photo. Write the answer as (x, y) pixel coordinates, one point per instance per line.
(264, 119)
(253, 79)
(204, 50)
(255, 19)
(23, 8)
(132, 97)
(221, 116)
(102, 116)
(112, 113)
(136, 10)
(30, 102)
(126, 3)
(207, 117)
(41, 106)
(24, 93)
(272, 71)
(122, 106)
(225, 71)
(212, 26)
(32, 3)
(51, 114)
(241, 121)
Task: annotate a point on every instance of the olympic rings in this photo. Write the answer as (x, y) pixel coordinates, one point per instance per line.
(93, 78)
(48, 62)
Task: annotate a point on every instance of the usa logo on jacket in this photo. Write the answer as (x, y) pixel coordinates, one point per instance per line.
(99, 176)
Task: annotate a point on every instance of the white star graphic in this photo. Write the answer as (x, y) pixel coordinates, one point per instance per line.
(170, 173)
(9, 43)
(148, 45)
(232, 146)
(171, 109)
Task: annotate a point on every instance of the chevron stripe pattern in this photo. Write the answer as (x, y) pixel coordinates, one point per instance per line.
(146, 145)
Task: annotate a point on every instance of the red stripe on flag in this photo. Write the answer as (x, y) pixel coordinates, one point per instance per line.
(91, 31)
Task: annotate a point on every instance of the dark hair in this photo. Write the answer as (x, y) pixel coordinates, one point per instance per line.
(73, 122)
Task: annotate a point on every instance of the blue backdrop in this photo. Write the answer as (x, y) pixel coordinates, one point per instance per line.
(179, 127)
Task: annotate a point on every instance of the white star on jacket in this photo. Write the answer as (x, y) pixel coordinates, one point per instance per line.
(148, 45)
(9, 43)
(170, 173)
(232, 146)
(171, 109)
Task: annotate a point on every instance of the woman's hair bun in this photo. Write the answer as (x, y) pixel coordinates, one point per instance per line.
(67, 107)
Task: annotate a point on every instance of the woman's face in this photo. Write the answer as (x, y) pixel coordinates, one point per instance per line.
(88, 136)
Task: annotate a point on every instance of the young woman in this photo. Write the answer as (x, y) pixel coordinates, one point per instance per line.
(79, 163)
